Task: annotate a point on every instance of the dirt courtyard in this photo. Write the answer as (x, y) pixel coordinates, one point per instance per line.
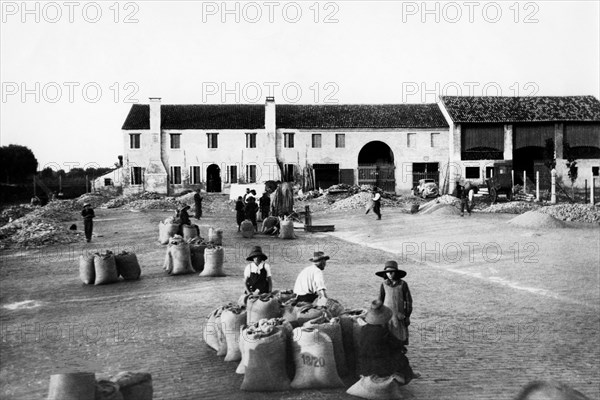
(494, 306)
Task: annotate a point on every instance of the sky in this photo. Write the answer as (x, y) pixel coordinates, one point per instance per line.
(70, 71)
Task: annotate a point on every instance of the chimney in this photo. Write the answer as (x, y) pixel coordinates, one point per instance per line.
(270, 116)
(155, 116)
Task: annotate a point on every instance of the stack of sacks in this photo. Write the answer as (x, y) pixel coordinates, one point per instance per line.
(103, 268)
(264, 356)
(178, 259)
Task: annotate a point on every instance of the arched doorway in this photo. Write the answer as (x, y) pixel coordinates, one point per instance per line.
(213, 178)
(376, 166)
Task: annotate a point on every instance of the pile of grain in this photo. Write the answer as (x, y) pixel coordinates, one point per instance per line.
(536, 220)
(574, 212)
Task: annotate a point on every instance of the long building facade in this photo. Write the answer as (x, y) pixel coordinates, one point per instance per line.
(171, 148)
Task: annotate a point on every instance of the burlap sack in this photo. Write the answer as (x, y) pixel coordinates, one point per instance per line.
(262, 306)
(305, 313)
(107, 390)
(166, 231)
(247, 229)
(134, 385)
(128, 266)
(197, 255)
(287, 229)
(190, 231)
(266, 364)
(374, 387)
(105, 268)
(232, 320)
(215, 236)
(347, 325)
(209, 330)
(333, 329)
(213, 261)
(358, 323)
(250, 335)
(314, 360)
(181, 258)
(87, 274)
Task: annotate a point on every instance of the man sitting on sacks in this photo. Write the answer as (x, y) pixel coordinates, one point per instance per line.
(310, 284)
(379, 352)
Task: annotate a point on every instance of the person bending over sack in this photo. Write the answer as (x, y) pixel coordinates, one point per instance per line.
(310, 283)
(381, 353)
(257, 275)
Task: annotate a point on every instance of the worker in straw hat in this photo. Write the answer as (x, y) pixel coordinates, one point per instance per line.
(379, 352)
(395, 294)
(257, 274)
(310, 283)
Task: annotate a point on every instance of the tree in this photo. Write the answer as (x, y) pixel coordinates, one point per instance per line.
(571, 165)
(17, 163)
(47, 173)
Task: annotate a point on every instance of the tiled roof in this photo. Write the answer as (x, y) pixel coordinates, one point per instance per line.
(221, 116)
(289, 116)
(360, 116)
(522, 109)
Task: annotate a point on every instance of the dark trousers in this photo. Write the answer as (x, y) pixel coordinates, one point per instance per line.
(308, 298)
(377, 209)
(88, 226)
(464, 203)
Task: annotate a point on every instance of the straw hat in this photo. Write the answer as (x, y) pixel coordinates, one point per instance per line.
(72, 386)
(318, 256)
(256, 252)
(378, 314)
(391, 266)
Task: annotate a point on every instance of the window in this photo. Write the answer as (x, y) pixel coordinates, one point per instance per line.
(472, 172)
(108, 182)
(195, 175)
(232, 174)
(250, 173)
(175, 140)
(340, 140)
(596, 171)
(288, 139)
(175, 175)
(251, 140)
(288, 172)
(134, 141)
(212, 140)
(411, 140)
(489, 172)
(435, 140)
(316, 140)
(136, 175)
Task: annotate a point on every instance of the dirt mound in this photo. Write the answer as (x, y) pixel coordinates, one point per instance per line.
(574, 212)
(536, 220)
(444, 209)
(11, 213)
(442, 200)
(512, 207)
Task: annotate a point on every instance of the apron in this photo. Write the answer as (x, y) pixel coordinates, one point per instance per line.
(259, 281)
(394, 299)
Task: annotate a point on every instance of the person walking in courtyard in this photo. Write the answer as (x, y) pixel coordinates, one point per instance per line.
(239, 211)
(394, 293)
(198, 204)
(310, 283)
(88, 224)
(463, 194)
(377, 202)
(380, 352)
(257, 274)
